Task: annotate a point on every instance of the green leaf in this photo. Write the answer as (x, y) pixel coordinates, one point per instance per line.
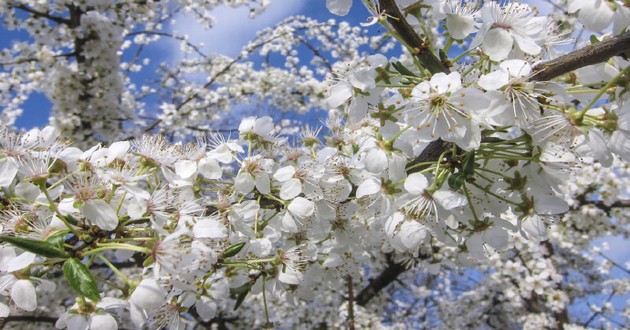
(233, 250)
(241, 293)
(42, 248)
(58, 238)
(243, 288)
(80, 279)
(456, 181)
(402, 69)
(469, 164)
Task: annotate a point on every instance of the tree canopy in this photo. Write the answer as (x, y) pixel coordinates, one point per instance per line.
(473, 158)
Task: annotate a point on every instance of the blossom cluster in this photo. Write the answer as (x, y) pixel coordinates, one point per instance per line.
(425, 167)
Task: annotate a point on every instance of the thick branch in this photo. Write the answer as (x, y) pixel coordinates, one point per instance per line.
(419, 48)
(589, 55)
(387, 276)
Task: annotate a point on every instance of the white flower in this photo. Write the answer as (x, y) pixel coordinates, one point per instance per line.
(509, 26)
(254, 173)
(294, 262)
(442, 108)
(298, 209)
(94, 318)
(460, 16)
(257, 129)
(422, 204)
(516, 93)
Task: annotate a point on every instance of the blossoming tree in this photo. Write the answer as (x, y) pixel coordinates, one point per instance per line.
(461, 180)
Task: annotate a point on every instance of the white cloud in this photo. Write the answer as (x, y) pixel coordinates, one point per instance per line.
(233, 28)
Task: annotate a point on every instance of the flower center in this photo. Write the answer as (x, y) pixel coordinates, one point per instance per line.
(502, 25)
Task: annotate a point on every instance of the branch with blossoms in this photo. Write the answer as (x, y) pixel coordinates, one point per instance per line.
(429, 163)
(591, 54)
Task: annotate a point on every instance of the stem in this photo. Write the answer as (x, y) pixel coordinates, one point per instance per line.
(119, 246)
(603, 90)
(265, 297)
(54, 208)
(113, 268)
(350, 304)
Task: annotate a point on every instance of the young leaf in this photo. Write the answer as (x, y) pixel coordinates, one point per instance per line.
(240, 292)
(80, 279)
(58, 238)
(41, 248)
(233, 250)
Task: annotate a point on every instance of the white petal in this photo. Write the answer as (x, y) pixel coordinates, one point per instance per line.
(550, 205)
(209, 228)
(375, 161)
(8, 170)
(262, 183)
(100, 214)
(449, 199)
(290, 277)
(474, 244)
(497, 237)
(27, 190)
(364, 79)
(284, 173)
(302, 207)
(526, 44)
(206, 308)
(77, 322)
(597, 17)
(22, 261)
(497, 44)
(24, 296)
(244, 183)
(516, 68)
(412, 234)
(460, 26)
(368, 187)
(339, 7)
(494, 80)
(210, 168)
(103, 321)
(333, 260)
(416, 183)
(288, 223)
(4, 310)
(290, 189)
(263, 126)
(534, 228)
(185, 168)
(148, 295)
(339, 94)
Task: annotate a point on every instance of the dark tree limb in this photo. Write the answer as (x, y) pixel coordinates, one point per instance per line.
(387, 276)
(589, 55)
(419, 48)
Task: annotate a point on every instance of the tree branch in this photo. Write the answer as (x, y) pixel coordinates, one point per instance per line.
(419, 48)
(589, 55)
